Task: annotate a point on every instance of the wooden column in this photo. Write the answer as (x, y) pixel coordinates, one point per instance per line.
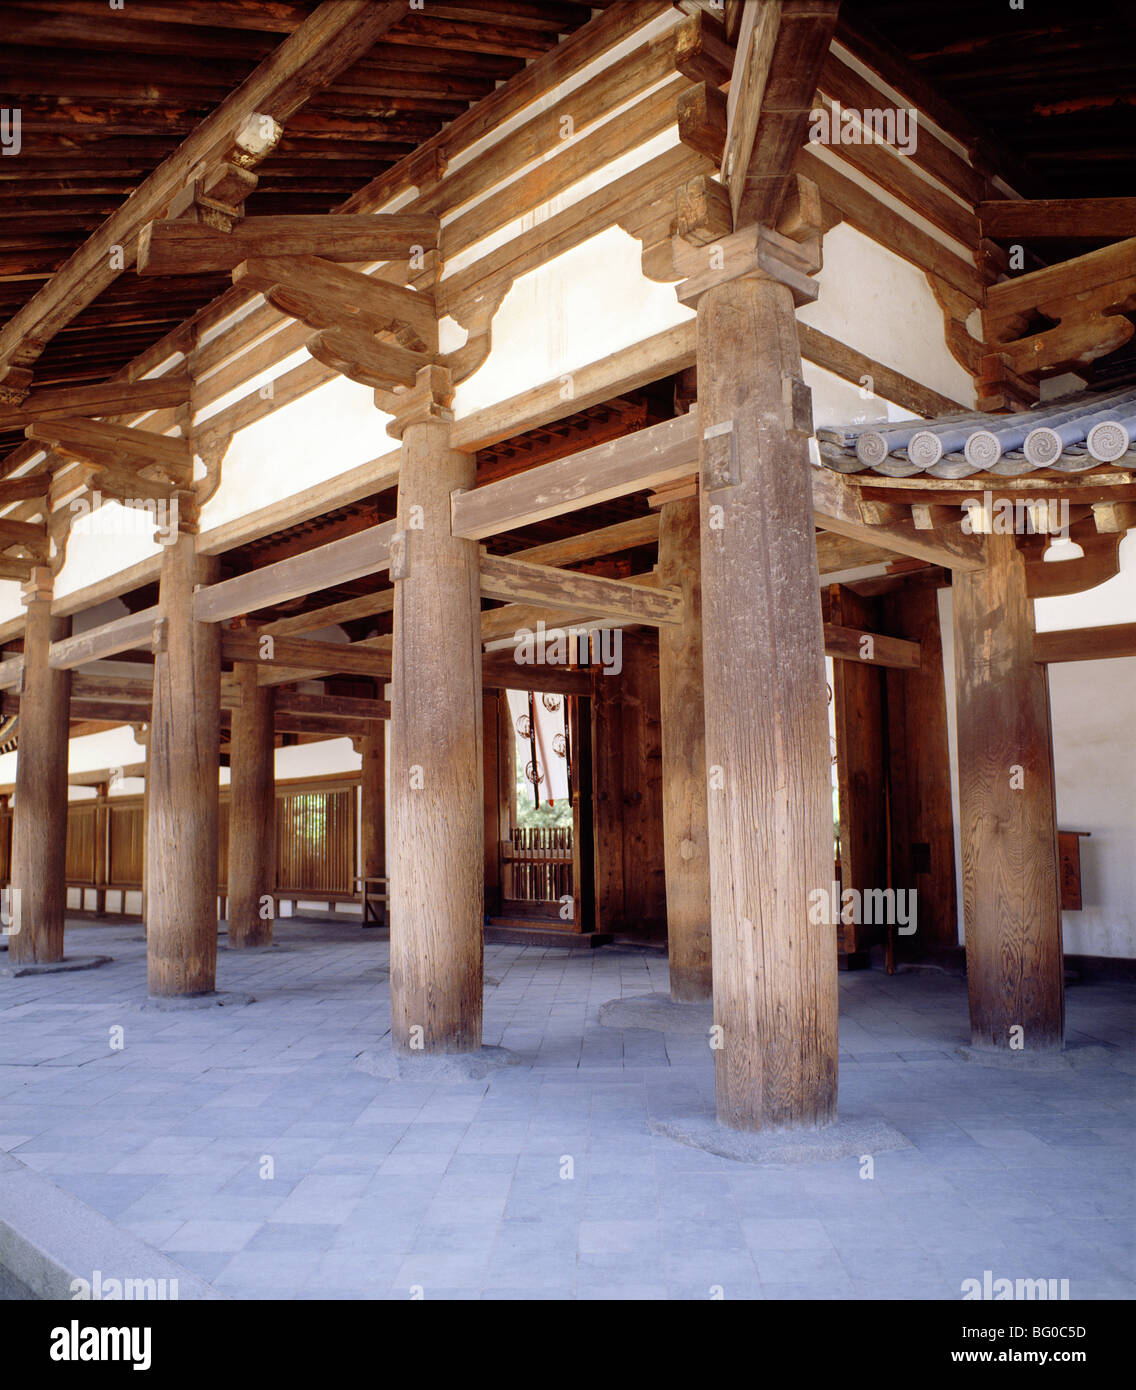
(102, 821)
(495, 808)
(252, 813)
(859, 707)
(919, 774)
(767, 750)
(145, 830)
(436, 808)
(686, 847)
(39, 826)
(373, 806)
(1010, 878)
(181, 834)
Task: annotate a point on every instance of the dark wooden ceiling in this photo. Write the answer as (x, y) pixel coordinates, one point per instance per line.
(106, 95)
(1053, 83)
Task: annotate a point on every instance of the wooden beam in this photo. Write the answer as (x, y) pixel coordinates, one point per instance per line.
(326, 295)
(120, 635)
(353, 354)
(334, 36)
(1042, 219)
(105, 398)
(192, 248)
(836, 508)
(248, 645)
(850, 365)
(332, 706)
(501, 671)
(365, 606)
(516, 580)
(801, 44)
(24, 489)
(1086, 643)
(31, 535)
(97, 440)
(624, 535)
(757, 40)
(871, 648)
(11, 673)
(337, 562)
(637, 462)
(1055, 283)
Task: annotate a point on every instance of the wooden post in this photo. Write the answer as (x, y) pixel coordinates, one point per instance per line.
(859, 707)
(181, 835)
(373, 811)
(102, 822)
(919, 774)
(686, 847)
(495, 812)
(39, 826)
(436, 808)
(767, 750)
(252, 813)
(145, 835)
(1010, 878)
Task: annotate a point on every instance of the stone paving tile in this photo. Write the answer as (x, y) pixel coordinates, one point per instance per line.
(242, 1142)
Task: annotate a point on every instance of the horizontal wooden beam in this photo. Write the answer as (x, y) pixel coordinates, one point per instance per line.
(337, 562)
(326, 295)
(247, 644)
(134, 630)
(365, 606)
(105, 398)
(624, 535)
(1040, 219)
(513, 580)
(637, 462)
(98, 440)
(871, 648)
(11, 672)
(836, 507)
(1086, 643)
(501, 671)
(342, 707)
(1053, 283)
(192, 248)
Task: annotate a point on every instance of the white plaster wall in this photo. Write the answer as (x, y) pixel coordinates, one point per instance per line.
(882, 305)
(327, 432)
(1093, 706)
(587, 303)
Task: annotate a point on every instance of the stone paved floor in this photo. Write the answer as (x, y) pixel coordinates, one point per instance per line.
(378, 1187)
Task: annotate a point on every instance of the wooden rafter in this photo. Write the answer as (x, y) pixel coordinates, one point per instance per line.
(334, 36)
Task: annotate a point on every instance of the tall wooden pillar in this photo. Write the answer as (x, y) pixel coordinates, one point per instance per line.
(102, 821)
(686, 846)
(181, 834)
(1008, 817)
(767, 749)
(373, 808)
(39, 825)
(436, 808)
(252, 813)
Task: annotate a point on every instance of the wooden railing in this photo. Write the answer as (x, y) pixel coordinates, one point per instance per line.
(316, 839)
(536, 864)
